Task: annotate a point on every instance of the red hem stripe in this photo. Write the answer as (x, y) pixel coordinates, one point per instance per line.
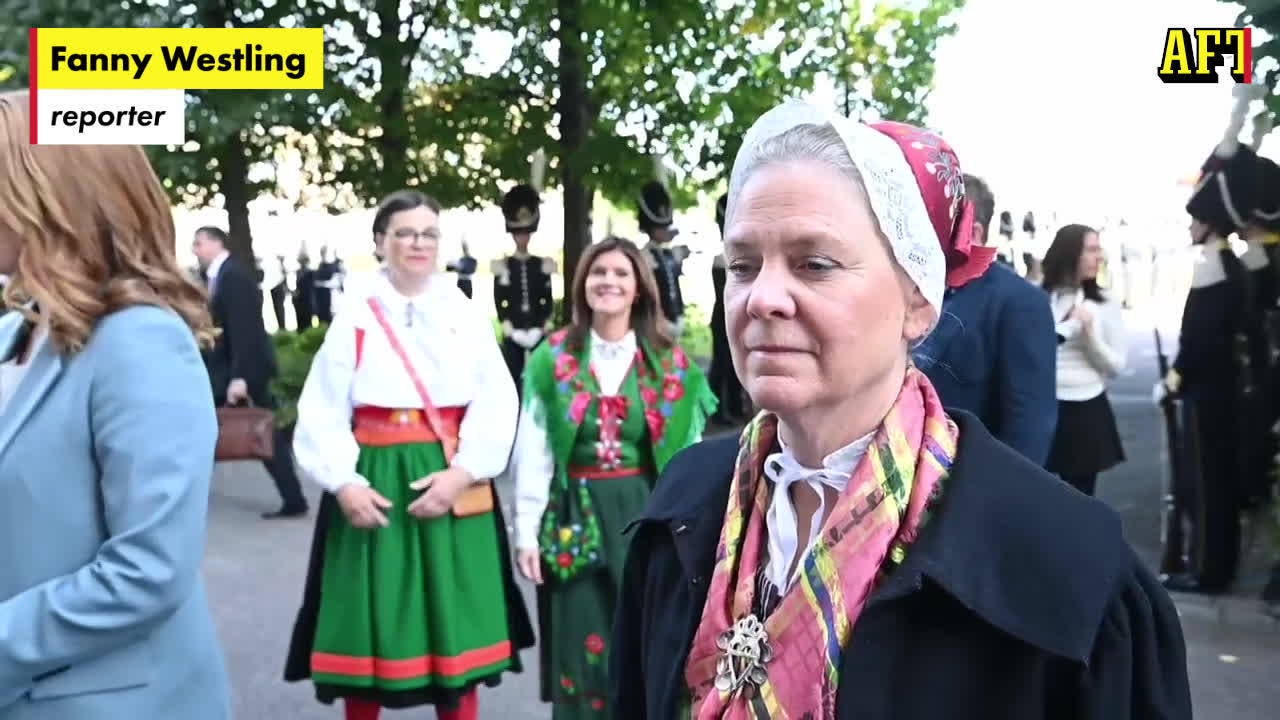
(599, 474)
(350, 665)
(33, 60)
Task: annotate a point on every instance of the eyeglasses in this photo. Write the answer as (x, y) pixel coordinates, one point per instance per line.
(431, 236)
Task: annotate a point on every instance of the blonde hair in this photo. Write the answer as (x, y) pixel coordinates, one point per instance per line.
(96, 233)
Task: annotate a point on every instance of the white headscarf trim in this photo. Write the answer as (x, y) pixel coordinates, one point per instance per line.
(890, 183)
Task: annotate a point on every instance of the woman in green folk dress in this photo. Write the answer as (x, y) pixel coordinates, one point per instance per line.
(608, 402)
(407, 410)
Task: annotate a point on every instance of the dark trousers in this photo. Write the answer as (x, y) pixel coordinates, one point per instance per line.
(1210, 495)
(724, 380)
(1086, 483)
(324, 306)
(514, 355)
(1271, 593)
(277, 304)
(302, 313)
(282, 472)
(280, 467)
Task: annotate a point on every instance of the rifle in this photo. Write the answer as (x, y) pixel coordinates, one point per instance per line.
(1173, 559)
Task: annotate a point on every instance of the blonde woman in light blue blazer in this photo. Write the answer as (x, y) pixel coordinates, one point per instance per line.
(107, 432)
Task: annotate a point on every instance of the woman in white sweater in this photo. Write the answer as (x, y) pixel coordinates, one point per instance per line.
(1091, 351)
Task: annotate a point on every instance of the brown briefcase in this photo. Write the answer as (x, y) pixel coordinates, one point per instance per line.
(245, 433)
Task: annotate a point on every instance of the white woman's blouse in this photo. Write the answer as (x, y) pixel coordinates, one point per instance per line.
(784, 530)
(1087, 360)
(534, 463)
(453, 348)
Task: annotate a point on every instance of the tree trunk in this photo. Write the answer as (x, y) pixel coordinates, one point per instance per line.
(574, 129)
(235, 193)
(393, 144)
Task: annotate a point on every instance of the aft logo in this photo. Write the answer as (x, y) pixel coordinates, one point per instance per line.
(1197, 59)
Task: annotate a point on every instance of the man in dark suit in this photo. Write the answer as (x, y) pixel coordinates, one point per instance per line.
(243, 360)
(994, 352)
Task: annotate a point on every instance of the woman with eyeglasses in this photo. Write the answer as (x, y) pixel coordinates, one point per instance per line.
(407, 412)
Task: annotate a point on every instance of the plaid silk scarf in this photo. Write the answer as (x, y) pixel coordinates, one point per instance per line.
(864, 537)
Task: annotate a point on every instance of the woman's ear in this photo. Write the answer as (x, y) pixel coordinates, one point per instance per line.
(920, 316)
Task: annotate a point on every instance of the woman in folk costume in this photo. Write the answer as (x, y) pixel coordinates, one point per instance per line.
(405, 414)
(859, 552)
(607, 402)
(1212, 362)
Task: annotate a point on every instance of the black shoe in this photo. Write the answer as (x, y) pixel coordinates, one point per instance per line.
(285, 513)
(1181, 582)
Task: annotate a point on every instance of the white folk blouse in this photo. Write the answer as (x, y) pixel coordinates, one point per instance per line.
(454, 350)
(785, 544)
(534, 464)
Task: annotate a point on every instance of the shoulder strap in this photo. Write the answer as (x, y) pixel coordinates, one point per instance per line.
(449, 442)
(359, 345)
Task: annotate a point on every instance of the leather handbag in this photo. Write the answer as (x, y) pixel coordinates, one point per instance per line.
(476, 499)
(245, 433)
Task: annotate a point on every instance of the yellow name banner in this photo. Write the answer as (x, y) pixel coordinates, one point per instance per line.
(178, 59)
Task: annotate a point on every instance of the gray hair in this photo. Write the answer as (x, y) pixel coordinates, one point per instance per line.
(815, 144)
(809, 143)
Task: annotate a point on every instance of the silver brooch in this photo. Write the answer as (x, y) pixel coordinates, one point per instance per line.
(744, 651)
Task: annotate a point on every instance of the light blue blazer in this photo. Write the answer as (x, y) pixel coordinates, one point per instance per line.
(105, 463)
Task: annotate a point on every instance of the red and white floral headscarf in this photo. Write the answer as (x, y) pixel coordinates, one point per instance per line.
(915, 186)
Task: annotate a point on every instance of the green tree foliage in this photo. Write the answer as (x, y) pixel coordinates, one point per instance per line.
(423, 94)
(228, 131)
(1265, 15)
(606, 88)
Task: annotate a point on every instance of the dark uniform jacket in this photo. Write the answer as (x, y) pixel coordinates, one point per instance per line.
(668, 263)
(1019, 600)
(522, 290)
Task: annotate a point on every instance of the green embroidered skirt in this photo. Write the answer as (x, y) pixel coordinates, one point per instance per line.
(578, 615)
(415, 610)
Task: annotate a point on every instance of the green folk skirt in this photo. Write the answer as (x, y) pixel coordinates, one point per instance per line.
(417, 609)
(577, 616)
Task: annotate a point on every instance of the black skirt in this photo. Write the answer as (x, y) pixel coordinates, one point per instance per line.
(1087, 440)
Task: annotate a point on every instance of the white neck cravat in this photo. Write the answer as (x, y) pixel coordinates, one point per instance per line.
(784, 470)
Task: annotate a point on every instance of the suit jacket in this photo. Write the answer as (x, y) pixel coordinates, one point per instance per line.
(103, 612)
(994, 353)
(244, 349)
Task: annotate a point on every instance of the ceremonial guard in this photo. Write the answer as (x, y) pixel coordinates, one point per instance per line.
(656, 218)
(724, 380)
(1257, 414)
(304, 293)
(328, 281)
(465, 267)
(1209, 375)
(522, 282)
